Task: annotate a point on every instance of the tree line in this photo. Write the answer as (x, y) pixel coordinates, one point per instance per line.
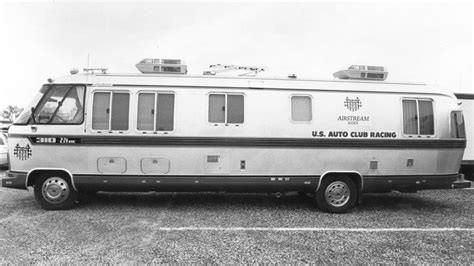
(11, 112)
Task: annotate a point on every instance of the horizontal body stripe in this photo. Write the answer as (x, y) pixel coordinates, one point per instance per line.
(257, 142)
(454, 175)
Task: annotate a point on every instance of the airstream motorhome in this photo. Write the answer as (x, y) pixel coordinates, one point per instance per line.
(162, 130)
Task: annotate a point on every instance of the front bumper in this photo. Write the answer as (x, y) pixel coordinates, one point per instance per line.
(15, 180)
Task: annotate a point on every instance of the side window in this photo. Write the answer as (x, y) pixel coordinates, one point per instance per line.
(410, 117)
(146, 111)
(110, 111)
(61, 105)
(155, 111)
(301, 109)
(226, 108)
(235, 109)
(217, 108)
(457, 125)
(120, 110)
(165, 112)
(418, 117)
(426, 117)
(101, 111)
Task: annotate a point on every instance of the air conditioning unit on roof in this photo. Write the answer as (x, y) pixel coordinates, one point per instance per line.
(162, 66)
(362, 72)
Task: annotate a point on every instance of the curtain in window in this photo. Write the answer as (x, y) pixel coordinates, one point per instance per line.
(100, 111)
(460, 125)
(217, 108)
(146, 116)
(120, 111)
(457, 125)
(426, 117)
(301, 108)
(410, 120)
(165, 112)
(235, 109)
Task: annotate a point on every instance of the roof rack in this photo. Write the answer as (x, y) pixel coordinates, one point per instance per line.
(93, 70)
(218, 68)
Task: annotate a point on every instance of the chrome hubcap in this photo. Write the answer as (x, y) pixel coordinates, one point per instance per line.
(337, 194)
(55, 190)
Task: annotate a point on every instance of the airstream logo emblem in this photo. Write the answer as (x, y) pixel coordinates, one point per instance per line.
(352, 104)
(22, 153)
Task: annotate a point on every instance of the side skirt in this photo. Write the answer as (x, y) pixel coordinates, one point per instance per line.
(258, 183)
(409, 183)
(196, 183)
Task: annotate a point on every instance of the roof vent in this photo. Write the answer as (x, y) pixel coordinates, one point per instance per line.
(95, 70)
(362, 72)
(162, 66)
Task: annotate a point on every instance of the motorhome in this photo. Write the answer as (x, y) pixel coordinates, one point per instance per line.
(169, 131)
(467, 106)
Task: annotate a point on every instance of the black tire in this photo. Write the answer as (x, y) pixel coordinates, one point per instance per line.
(336, 194)
(54, 191)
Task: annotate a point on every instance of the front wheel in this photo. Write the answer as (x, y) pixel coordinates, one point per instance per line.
(55, 192)
(336, 194)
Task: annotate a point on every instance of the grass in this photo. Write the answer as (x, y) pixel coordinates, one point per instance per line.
(123, 227)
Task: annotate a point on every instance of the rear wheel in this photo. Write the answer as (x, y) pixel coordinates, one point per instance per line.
(55, 192)
(336, 194)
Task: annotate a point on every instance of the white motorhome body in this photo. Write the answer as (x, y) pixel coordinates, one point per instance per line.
(157, 132)
(467, 106)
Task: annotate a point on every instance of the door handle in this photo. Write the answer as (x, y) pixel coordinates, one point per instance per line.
(34, 129)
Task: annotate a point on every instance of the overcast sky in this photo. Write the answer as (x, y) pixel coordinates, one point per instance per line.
(420, 42)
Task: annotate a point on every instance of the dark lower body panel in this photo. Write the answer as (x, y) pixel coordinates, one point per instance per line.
(259, 183)
(413, 183)
(242, 183)
(197, 183)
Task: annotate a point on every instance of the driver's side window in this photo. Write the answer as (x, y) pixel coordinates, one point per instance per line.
(61, 105)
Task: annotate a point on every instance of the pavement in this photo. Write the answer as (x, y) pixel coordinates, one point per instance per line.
(433, 226)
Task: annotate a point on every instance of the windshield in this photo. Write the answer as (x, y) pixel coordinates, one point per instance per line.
(61, 104)
(24, 117)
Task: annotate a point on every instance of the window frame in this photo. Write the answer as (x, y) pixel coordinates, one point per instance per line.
(109, 129)
(433, 104)
(155, 101)
(43, 98)
(226, 94)
(311, 105)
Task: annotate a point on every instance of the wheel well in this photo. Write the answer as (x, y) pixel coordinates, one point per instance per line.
(354, 176)
(40, 172)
